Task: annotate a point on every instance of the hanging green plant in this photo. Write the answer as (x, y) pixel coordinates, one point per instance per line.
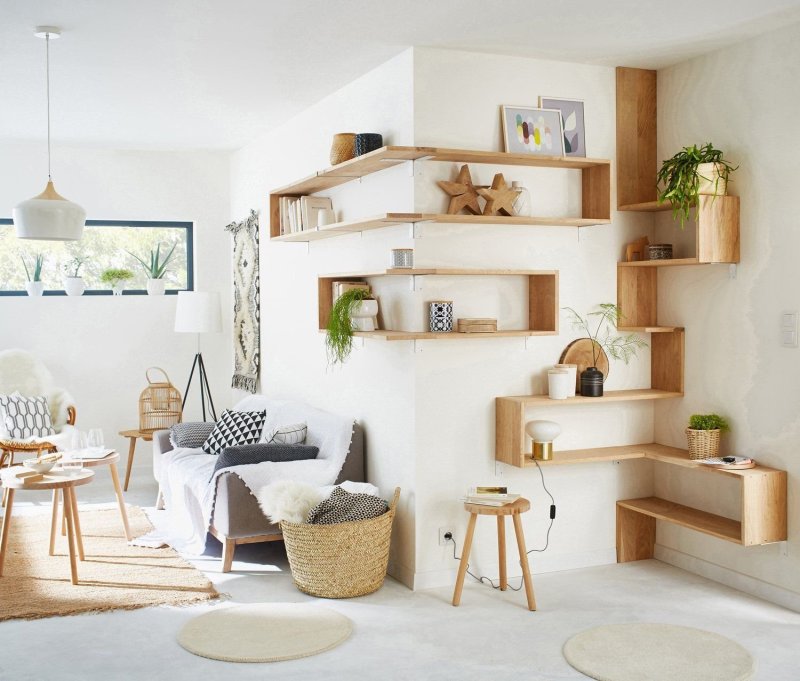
(339, 336)
(679, 181)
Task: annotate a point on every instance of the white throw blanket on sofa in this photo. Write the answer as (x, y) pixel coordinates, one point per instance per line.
(186, 475)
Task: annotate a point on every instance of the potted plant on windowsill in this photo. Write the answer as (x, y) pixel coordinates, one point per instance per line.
(704, 433)
(356, 302)
(73, 281)
(155, 269)
(116, 278)
(602, 340)
(34, 285)
(688, 174)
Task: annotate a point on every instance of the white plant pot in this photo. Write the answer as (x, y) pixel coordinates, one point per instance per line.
(34, 288)
(118, 288)
(363, 315)
(710, 180)
(74, 286)
(560, 384)
(156, 287)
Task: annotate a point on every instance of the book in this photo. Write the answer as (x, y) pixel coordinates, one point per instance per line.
(490, 500)
(729, 462)
(490, 490)
(312, 206)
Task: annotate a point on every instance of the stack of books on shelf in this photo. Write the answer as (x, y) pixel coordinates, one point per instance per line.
(300, 213)
(490, 496)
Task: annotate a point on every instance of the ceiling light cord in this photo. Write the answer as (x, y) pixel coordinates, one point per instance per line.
(47, 68)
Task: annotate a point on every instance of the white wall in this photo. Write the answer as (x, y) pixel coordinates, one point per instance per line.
(743, 99)
(99, 347)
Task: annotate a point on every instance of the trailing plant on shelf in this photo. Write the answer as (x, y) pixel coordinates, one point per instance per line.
(116, 278)
(339, 332)
(620, 347)
(36, 268)
(155, 267)
(703, 435)
(681, 180)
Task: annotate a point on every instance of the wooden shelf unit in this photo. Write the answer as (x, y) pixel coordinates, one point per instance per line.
(542, 301)
(595, 185)
(510, 437)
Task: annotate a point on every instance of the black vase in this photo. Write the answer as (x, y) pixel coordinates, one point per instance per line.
(592, 382)
(368, 141)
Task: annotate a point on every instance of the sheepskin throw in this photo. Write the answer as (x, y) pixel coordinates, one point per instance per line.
(246, 303)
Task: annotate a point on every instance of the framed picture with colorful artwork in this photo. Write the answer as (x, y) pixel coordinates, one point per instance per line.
(572, 121)
(532, 130)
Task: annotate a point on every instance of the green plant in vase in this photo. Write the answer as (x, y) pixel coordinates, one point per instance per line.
(34, 285)
(339, 332)
(703, 435)
(603, 340)
(116, 278)
(688, 174)
(155, 268)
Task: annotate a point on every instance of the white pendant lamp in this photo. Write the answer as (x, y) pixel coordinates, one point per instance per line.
(49, 216)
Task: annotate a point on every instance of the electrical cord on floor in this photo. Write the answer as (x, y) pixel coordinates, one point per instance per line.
(490, 582)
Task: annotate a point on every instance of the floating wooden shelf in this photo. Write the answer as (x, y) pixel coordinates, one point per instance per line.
(608, 396)
(649, 329)
(542, 301)
(646, 207)
(596, 188)
(671, 262)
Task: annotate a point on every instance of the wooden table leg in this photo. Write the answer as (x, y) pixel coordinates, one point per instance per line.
(501, 548)
(54, 523)
(76, 521)
(523, 559)
(462, 568)
(131, 452)
(73, 564)
(63, 513)
(6, 526)
(120, 501)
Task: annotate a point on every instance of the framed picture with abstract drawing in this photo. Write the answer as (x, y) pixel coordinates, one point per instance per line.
(572, 121)
(532, 130)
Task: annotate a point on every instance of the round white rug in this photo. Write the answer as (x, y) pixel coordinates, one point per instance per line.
(265, 632)
(657, 652)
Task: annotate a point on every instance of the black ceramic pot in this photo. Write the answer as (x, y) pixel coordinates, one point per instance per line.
(368, 141)
(592, 382)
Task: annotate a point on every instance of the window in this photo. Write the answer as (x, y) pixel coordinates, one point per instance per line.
(105, 244)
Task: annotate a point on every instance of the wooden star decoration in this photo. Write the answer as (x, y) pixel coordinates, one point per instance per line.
(463, 194)
(499, 198)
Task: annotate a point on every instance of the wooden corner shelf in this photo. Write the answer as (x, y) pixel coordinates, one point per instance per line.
(542, 301)
(595, 184)
(646, 207)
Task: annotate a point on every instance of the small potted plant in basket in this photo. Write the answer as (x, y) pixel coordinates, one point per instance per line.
(73, 281)
(155, 269)
(622, 347)
(116, 278)
(34, 286)
(356, 302)
(691, 172)
(703, 435)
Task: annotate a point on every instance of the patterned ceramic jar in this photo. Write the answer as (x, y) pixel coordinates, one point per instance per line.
(441, 315)
(368, 141)
(402, 257)
(660, 251)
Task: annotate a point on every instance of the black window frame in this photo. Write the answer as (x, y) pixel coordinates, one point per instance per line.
(188, 226)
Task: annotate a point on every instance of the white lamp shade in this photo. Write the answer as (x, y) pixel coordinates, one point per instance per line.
(198, 312)
(542, 431)
(49, 217)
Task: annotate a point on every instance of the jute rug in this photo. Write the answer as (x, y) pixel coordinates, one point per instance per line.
(265, 632)
(114, 576)
(657, 652)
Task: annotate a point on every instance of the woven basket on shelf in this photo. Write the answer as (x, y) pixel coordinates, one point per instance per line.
(703, 444)
(343, 147)
(159, 404)
(342, 560)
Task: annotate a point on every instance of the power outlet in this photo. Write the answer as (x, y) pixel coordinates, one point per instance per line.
(443, 540)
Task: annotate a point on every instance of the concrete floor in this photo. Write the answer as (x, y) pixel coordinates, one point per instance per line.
(397, 634)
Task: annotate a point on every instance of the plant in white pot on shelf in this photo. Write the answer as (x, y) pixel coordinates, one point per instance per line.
(34, 285)
(155, 269)
(603, 341)
(116, 278)
(354, 310)
(73, 281)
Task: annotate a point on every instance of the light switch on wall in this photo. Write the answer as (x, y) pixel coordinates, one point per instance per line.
(789, 329)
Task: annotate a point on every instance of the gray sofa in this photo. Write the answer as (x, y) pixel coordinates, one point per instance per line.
(237, 517)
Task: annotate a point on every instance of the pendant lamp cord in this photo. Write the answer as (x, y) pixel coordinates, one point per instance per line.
(47, 66)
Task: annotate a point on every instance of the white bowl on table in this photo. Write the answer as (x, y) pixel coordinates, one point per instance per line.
(38, 466)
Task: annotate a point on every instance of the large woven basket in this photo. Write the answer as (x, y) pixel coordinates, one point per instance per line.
(342, 560)
(159, 404)
(703, 444)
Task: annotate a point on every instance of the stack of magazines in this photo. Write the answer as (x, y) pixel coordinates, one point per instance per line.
(729, 462)
(490, 496)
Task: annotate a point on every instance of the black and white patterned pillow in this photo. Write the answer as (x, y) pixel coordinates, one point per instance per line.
(243, 455)
(25, 417)
(343, 507)
(294, 434)
(190, 435)
(235, 428)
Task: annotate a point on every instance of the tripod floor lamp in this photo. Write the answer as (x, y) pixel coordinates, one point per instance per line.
(199, 312)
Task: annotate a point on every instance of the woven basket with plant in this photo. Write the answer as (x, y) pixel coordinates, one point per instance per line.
(703, 435)
(343, 560)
